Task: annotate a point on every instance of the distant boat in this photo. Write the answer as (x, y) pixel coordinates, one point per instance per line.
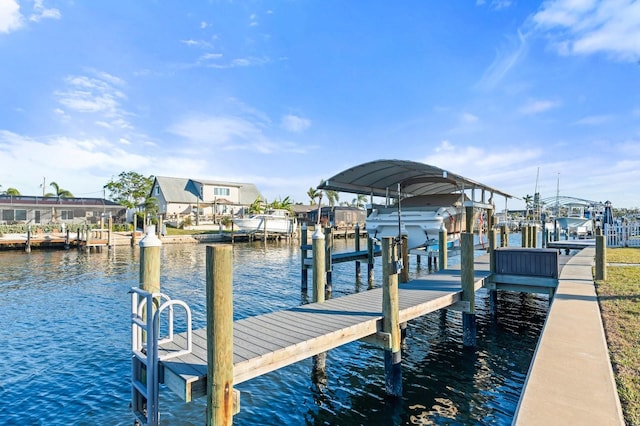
(421, 218)
(577, 222)
(273, 221)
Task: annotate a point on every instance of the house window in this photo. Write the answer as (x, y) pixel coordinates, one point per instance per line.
(157, 191)
(221, 191)
(7, 215)
(66, 214)
(21, 215)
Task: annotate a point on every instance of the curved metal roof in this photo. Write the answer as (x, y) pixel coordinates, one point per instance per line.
(381, 177)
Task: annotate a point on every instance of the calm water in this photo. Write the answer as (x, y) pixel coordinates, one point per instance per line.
(65, 359)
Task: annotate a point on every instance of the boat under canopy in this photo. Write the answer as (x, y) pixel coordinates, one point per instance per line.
(426, 198)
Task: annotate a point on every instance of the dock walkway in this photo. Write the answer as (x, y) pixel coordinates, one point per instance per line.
(571, 381)
(267, 342)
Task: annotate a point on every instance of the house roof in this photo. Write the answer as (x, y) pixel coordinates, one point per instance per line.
(174, 190)
(381, 177)
(183, 190)
(56, 201)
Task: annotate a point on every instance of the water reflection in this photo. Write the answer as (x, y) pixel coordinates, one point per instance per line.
(66, 332)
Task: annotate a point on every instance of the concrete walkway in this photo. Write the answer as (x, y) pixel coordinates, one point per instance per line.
(570, 381)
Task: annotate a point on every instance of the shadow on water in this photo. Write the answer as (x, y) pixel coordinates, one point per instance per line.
(444, 383)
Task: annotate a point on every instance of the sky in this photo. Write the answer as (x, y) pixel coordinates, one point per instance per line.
(519, 95)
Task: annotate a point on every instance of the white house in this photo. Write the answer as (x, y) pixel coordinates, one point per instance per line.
(179, 198)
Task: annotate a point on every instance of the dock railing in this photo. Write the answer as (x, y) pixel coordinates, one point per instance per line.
(623, 234)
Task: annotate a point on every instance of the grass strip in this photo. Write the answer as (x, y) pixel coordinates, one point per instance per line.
(619, 298)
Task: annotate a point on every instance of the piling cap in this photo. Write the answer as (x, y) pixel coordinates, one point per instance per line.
(318, 234)
(150, 239)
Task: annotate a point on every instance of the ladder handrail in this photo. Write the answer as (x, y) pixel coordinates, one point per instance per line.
(169, 304)
(146, 353)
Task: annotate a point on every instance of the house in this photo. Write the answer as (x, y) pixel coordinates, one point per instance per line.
(17, 209)
(339, 216)
(201, 201)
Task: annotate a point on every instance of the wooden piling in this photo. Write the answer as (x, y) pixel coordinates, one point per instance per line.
(404, 246)
(88, 238)
(370, 260)
(67, 240)
(442, 248)
(319, 361)
(328, 247)
(357, 249)
(391, 320)
(110, 232)
(219, 284)
(504, 236)
(27, 247)
(601, 257)
(493, 294)
(150, 261)
(319, 273)
(304, 285)
(468, 291)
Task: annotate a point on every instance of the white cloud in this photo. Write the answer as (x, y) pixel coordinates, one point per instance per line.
(469, 118)
(503, 63)
(594, 120)
(196, 43)
(80, 165)
(41, 12)
(538, 106)
(10, 17)
(583, 27)
(294, 123)
(98, 94)
(232, 133)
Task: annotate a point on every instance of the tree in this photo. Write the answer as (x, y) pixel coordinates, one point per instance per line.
(332, 197)
(60, 193)
(12, 191)
(360, 201)
(257, 206)
(313, 193)
(131, 189)
(282, 204)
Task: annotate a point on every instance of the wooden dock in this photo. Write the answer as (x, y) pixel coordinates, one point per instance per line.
(56, 240)
(267, 342)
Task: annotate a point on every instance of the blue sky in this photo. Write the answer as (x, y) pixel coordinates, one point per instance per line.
(286, 93)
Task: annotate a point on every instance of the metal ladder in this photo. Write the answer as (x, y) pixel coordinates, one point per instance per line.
(145, 358)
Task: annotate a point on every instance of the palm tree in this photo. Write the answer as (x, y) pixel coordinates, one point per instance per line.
(12, 191)
(257, 206)
(282, 204)
(360, 201)
(332, 197)
(60, 193)
(313, 193)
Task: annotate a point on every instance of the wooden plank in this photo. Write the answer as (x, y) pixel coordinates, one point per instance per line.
(267, 342)
(524, 280)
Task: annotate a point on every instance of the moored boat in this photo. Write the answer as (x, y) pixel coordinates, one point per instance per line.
(273, 221)
(420, 218)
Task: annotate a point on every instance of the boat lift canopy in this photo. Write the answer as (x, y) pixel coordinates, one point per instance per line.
(381, 178)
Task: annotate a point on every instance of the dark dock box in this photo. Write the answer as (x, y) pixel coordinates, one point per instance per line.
(532, 262)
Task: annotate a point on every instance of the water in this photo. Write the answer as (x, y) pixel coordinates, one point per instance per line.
(65, 358)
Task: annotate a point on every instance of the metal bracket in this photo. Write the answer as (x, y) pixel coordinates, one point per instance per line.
(461, 305)
(381, 340)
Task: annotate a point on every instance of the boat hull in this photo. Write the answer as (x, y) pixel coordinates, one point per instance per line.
(265, 223)
(421, 226)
